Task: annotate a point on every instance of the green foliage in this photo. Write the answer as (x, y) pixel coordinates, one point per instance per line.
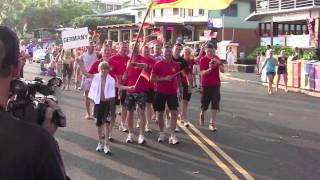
(40, 13)
(125, 4)
(66, 12)
(39, 17)
(309, 55)
(276, 51)
(92, 22)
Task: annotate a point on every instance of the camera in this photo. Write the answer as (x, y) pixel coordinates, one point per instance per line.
(25, 100)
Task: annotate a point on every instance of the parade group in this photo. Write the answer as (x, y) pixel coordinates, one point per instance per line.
(153, 79)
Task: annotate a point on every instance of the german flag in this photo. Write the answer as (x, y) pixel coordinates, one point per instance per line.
(145, 75)
(192, 4)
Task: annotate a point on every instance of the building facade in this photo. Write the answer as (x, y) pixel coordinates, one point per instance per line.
(294, 23)
(183, 25)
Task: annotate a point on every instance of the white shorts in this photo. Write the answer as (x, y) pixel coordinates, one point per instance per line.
(196, 69)
(86, 83)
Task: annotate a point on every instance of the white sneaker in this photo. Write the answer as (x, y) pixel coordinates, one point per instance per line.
(138, 123)
(177, 129)
(148, 130)
(173, 139)
(99, 147)
(110, 137)
(106, 150)
(168, 124)
(141, 139)
(87, 117)
(186, 124)
(123, 128)
(129, 138)
(212, 128)
(161, 137)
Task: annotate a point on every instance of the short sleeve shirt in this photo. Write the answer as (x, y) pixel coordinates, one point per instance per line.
(162, 69)
(88, 59)
(213, 78)
(133, 77)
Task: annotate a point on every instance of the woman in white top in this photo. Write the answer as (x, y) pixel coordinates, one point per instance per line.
(230, 59)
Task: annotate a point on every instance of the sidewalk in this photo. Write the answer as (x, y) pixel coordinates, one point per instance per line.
(253, 78)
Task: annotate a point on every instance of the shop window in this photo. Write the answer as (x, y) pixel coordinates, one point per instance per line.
(232, 10)
(252, 7)
(175, 11)
(140, 14)
(161, 12)
(182, 12)
(201, 12)
(190, 12)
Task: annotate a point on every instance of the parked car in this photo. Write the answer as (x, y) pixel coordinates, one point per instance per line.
(41, 55)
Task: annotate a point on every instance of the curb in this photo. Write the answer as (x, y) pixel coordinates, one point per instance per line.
(290, 89)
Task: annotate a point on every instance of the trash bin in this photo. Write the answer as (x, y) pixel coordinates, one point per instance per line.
(290, 73)
(317, 76)
(296, 73)
(307, 75)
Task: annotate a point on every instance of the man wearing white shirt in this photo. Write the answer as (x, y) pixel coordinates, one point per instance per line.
(88, 58)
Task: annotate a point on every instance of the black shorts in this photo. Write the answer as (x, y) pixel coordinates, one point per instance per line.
(210, 95)
(67, 70)
(150, 96)
(112, 102)
(160, 100)
(282, 71)
(120, 100)
(101, 112)
(136, 99)
(185, 94)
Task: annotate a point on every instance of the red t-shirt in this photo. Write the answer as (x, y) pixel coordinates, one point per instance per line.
(162, 69)
(213, 78)
(134, 74)
(150, 61)
(94, 68)
(120, 64)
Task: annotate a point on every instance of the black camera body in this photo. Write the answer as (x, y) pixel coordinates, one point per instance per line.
(25, 102)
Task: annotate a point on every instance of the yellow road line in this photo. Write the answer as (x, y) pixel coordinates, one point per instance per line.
(223, 166)
(222, 153)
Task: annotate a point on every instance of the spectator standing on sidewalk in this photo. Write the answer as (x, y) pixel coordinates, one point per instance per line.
(270, 65)
(230, 59)
(282, 70)
(210, 66)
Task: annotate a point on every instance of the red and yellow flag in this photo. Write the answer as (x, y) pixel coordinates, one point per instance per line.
(192, 4)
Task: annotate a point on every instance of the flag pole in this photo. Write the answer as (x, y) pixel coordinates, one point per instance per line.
(141, 27)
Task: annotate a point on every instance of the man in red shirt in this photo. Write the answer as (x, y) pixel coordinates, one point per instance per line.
(210, 65)
(138, 96)
(150, 95)
(164, 75)
(120, 60)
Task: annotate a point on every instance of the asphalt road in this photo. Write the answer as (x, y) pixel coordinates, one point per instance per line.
(259, 137)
